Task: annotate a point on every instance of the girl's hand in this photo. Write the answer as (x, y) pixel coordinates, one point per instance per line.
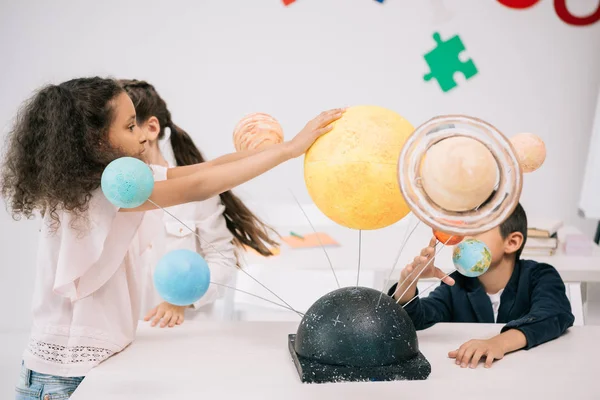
(313, 130)
(170, 314)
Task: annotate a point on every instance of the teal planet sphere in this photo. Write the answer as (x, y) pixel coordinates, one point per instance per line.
(471, 257)
(181, 277)
(127, 182)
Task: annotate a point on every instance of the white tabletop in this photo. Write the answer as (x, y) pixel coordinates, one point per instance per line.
(243, 360)
(379, 249)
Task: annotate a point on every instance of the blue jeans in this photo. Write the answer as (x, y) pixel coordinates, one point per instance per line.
(36, 386)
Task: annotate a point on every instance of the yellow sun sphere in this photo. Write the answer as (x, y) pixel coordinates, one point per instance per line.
(530, 149)
(459, 173)
(351, 171)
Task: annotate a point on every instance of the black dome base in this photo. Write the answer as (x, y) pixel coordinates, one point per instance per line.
(416, 368)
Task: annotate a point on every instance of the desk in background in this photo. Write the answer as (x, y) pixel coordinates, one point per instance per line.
(251, 361)
(380, 248)
(379, 251)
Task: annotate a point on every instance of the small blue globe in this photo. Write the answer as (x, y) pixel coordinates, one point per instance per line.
(127, 182)
(181, 277)
(471, 257)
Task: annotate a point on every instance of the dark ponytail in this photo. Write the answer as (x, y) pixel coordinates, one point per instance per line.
(246, 228)
(184, 149)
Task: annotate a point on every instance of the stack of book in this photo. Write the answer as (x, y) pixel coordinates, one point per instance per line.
(541, 238)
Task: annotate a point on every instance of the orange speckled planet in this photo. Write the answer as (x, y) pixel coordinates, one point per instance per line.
(256, 131)
(447, 239)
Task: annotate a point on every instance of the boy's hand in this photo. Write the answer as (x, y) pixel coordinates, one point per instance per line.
(492, 349)
(412, 270)
(313, 130)
(423, 261)
(170, 314)
(471, 352)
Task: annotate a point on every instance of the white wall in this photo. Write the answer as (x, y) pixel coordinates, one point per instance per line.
(216, 60)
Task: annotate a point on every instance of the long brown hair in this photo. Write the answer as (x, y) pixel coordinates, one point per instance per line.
(246, 228)
(58, 149)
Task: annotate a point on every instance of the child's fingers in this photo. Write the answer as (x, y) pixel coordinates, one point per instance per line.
(329, 116)
(159, 314)
(180, 319)
(489, 360)
(438, 273)
(467, 357)
(415, 261)
(460, 354)
(433, 242)
(150, 314)
(428, 252)
(166, 319)
(333, 111)
(406, 271)
(453, 353)
(323, 130)
(476, 357)
(419, 260)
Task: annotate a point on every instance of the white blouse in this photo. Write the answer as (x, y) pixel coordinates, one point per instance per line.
(88, 286)
(216, 246)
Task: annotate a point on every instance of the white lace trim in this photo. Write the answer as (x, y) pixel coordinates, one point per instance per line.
(68, 354)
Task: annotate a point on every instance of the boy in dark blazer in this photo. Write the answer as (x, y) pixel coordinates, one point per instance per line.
(526, 296)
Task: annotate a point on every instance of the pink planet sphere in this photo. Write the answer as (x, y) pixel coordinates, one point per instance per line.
(257, 131)
(530, 150)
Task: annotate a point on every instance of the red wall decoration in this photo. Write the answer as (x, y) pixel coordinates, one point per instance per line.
(288, 2)
(560, 6)
(563, 12)
(518, 4)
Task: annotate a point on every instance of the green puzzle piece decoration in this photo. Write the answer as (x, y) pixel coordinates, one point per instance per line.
(443, 62)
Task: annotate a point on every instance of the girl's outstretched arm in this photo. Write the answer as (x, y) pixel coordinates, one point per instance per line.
(211, 180)
(179, 172)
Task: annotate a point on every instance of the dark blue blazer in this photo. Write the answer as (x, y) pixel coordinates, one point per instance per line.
(534, 301)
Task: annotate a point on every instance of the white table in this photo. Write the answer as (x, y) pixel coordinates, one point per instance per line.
(251, 361)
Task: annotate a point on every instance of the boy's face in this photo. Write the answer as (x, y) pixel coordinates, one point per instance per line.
(498, 246)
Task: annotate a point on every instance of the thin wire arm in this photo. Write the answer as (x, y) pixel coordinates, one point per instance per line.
(217, 250)
(405, 240)
(258, 297)
(359, 250)
(318, 238)
(427, 289)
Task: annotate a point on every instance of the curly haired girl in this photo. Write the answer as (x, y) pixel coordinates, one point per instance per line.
(87, 295)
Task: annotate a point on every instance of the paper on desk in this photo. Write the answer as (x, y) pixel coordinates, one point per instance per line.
(311, 240)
